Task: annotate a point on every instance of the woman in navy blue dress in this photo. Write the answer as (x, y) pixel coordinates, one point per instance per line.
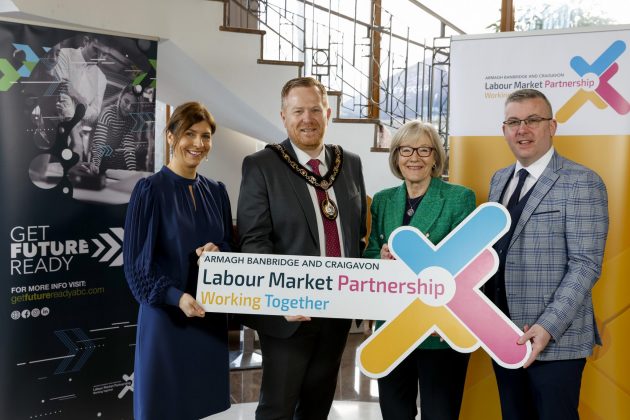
(181, 361)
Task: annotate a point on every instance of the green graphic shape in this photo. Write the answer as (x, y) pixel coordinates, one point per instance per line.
(9, 75)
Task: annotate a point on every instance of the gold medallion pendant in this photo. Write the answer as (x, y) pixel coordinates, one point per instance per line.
(329, 208)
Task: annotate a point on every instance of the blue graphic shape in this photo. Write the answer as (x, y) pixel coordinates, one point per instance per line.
(600, 65)
(482, 228)
(80, 348)
(140, 120)
(52, 89)
(24, 71)
(105, 150)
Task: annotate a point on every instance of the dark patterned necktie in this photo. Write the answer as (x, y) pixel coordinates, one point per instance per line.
(522, 175)
(333, 248)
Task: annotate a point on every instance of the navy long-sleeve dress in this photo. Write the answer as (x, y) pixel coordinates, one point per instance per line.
(181, 364)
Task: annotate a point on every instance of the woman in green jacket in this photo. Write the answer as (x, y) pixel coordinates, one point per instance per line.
(434, 207)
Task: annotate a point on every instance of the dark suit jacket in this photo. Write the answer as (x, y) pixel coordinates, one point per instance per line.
(555, 255)
(276, 215)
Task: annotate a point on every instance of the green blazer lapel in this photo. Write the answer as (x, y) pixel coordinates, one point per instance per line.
(430, 208)
(396, 205)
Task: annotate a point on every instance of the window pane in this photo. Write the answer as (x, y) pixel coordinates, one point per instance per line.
(558, 14)
(472, 17)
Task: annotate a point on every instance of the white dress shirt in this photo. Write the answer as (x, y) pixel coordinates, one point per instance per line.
(534, 170)
(303, 159)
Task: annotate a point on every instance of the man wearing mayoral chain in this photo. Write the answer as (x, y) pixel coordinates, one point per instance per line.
(301, 197)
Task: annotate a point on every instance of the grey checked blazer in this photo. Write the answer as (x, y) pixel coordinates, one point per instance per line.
(555, 256)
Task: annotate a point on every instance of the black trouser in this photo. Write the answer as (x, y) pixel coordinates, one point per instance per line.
(300, 372)
(441, 374)
(545, 390)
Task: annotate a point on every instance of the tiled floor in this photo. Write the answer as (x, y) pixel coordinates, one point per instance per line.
(356, 396)
(341, 410)
(352, 385)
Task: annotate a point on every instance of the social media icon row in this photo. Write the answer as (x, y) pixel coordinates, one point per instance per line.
(27, 313)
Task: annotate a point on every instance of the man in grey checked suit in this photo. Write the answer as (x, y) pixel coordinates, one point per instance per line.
(549, 262)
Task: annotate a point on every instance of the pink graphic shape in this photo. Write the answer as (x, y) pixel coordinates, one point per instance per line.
(610, 94)
(496, 333)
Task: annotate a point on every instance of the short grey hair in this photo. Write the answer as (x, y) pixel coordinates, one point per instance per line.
(413, 130)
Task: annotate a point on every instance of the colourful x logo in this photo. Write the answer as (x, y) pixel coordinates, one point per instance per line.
(451, 303)
(604, 94)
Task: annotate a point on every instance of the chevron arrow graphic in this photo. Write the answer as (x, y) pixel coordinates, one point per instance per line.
(79, 346)
(100, 247)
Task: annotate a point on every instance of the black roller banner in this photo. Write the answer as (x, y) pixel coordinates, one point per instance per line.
(76, 133)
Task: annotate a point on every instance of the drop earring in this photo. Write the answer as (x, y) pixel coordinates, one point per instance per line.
(170, 152)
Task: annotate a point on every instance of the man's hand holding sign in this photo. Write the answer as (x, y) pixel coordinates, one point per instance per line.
(462, 315)
(438, 287)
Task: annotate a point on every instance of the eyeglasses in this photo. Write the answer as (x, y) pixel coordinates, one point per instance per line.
(531, 122)
(422, 151)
